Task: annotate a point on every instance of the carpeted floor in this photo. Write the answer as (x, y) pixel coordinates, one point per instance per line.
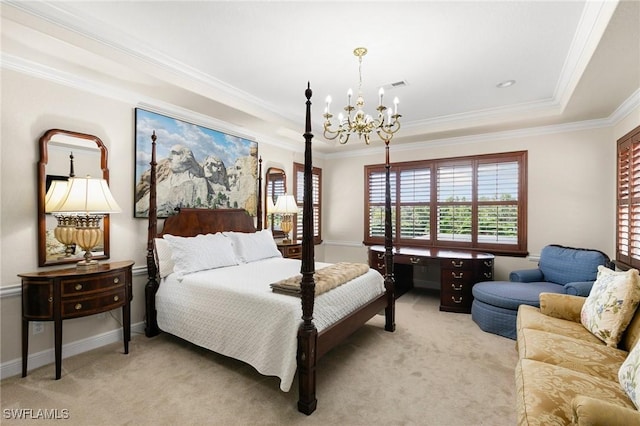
(438, 368)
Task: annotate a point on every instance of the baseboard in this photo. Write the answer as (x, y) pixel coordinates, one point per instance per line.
(14, 367)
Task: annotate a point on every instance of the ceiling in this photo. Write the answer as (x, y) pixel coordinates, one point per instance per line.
(246, 63)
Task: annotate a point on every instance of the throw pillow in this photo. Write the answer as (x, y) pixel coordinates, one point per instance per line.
(629, 376)
(611, 304)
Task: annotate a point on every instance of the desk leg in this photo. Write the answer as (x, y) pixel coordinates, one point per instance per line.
(25, 346)
(126, 326)
(58, 348)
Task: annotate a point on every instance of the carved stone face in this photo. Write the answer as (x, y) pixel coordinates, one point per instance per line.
(215, 170)
(182, 160)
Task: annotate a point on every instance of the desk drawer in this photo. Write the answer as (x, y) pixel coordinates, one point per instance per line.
(406, 259)
(102, 302)
(88, 285)
(376, 261)
(454, 300)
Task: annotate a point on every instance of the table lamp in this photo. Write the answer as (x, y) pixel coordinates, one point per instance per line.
(87, 200)
(286, 206)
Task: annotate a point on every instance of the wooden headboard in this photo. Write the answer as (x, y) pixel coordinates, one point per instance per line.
(191, 222)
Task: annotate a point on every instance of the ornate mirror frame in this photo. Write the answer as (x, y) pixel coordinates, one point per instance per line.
(78, 142)
(271, 179)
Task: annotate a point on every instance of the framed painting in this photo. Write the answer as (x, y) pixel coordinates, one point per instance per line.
(197, 167)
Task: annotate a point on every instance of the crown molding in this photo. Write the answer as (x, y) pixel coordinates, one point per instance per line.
(626, 108)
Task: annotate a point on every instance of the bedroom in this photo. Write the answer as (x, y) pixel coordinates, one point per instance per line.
(566, 196)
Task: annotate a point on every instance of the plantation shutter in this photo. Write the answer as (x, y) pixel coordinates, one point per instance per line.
(316, 182)
(375, 178)
(497, 184)
(628, 200)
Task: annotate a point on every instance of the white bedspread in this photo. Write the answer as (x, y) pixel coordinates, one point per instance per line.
(232, 311)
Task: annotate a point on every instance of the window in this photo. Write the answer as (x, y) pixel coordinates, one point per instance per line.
(474, 202)
(628, 200)
(298, 184)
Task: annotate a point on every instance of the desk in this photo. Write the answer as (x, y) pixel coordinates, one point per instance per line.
(452, 272)
(73, 293)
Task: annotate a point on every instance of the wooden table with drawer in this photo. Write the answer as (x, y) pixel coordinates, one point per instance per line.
(453, 271)
(291, 250)
(73, 293)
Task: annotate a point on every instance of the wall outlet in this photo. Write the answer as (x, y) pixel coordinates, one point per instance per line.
(38, 327)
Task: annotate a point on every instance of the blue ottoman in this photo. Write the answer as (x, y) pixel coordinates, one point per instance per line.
(495, 303)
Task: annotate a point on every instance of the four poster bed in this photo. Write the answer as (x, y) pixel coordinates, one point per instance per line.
(225, 303)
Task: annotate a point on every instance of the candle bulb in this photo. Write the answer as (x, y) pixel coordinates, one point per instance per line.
(328, 104)
(349, 94)
(380, 94)
(396, 101)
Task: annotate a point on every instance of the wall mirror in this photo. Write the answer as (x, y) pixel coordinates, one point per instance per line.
(63, 153)
(275, 185)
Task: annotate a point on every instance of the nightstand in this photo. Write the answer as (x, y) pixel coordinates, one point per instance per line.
(73, 293)
(291, 250)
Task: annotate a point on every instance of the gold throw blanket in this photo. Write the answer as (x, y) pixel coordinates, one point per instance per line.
(326, 278)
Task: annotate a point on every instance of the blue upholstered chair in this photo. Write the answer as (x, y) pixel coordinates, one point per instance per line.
(561, 269)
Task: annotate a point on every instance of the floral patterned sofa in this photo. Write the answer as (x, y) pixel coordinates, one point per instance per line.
(578, 357)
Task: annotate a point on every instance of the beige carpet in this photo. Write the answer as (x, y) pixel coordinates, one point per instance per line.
(437, 369)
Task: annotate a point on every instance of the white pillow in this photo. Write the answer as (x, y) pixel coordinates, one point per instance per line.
(611, 304)
(629, 376)
(163, 257)
(252, 246)
(192, 254)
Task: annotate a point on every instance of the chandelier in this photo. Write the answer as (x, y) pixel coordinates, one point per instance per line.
(386, 124)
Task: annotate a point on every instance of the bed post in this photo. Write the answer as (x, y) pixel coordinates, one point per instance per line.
(151, 328)
(307, 333)
(259, 206)
(389, 281)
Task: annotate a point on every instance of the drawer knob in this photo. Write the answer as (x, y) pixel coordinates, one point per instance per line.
(78, 287)
(50, 299)
(380, 255)
(457, 276)
(453, 286)
(116, 280)
(457, 264)
(414, 260)
(456, 301)
(78, 306)
(116, 298)
(381, 265)
(488, 263)
(488, 274)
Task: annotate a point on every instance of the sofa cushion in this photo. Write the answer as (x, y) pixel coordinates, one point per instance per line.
(576, 354)
(563, 265)
(531, 317)
(545, 392)
(510, 295)
(629, 376)
(611, 304)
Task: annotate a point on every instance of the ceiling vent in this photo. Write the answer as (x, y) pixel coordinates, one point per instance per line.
(396, 85)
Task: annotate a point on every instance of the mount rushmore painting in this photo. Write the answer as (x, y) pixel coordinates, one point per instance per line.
(196, 167)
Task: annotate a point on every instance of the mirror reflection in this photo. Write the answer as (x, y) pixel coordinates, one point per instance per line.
(275, 186)
(65, 154)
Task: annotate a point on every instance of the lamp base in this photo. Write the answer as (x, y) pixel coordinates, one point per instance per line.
(87, 264)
